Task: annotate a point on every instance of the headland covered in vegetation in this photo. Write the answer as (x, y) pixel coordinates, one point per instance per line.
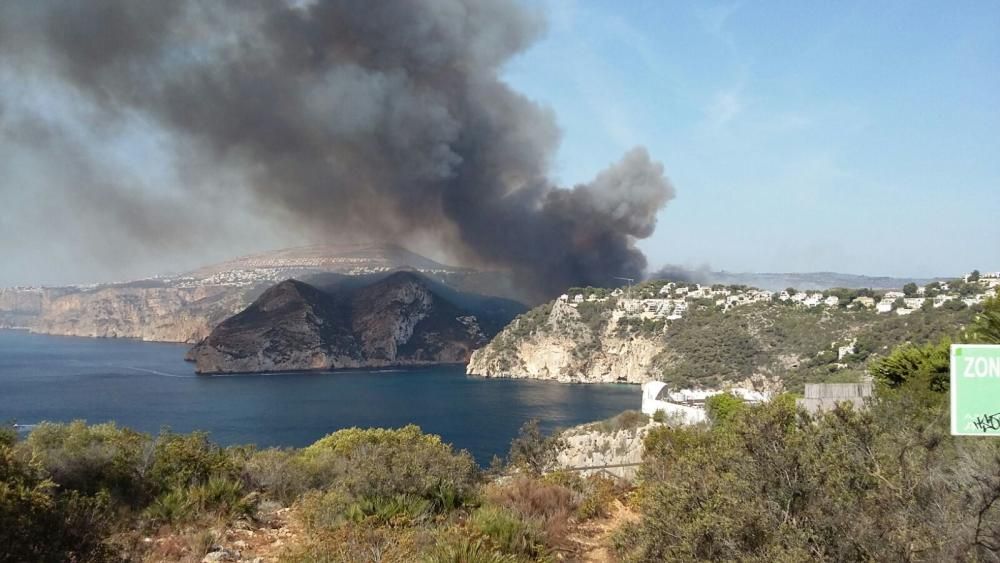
(701, 336)
(755, 483)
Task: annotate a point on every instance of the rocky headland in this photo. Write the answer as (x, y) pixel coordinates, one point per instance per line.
(402, 319)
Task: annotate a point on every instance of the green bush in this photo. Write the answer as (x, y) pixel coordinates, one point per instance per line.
(385, 463)
(281, 474)
(532, 451)
(89, 459)
(399, 510)
(884, 484)
(171, 507)
(222, 496)
(38, 522)
(466, 550)
(508, 532)
(723, 407)
(182, 460)
(324, 510)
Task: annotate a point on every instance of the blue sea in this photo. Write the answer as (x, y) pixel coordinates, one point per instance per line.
(148, 386)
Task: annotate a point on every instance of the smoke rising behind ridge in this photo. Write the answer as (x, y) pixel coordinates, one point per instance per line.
(379, 120)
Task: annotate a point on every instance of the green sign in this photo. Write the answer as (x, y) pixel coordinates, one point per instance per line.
(975, 389)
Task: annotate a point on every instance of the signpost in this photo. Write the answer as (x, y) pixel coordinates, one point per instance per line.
(975, 389)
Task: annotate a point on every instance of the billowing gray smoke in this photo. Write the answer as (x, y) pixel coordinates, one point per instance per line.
(381, 118)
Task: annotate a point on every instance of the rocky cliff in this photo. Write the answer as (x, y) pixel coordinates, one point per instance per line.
(765, 346)
(401, 319)
(156, 312)
(557, 342)
(616, 442)
(186, 307)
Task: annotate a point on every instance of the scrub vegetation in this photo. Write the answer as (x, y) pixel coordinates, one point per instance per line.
(756, 483)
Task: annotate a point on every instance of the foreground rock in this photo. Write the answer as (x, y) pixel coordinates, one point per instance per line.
(403, 319)
(610, 447)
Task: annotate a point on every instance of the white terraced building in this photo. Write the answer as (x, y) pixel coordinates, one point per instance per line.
(688, 404)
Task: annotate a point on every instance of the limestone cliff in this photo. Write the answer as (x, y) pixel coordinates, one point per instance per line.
(152, 312)
(614, 442)
(557, 342)
(706, 343)
(401, 319)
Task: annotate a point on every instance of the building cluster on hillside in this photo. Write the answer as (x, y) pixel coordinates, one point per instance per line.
(671, 301)
(236, 278)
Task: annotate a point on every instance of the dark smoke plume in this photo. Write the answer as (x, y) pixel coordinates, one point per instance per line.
(387, 119)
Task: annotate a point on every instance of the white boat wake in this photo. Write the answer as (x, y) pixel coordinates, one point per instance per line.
(162, 373)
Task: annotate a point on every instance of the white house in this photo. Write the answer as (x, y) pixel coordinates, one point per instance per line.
(940, 300)
(813, 300)
(866, 302)
(913, 302)
(832, 301)
(688, 404)
(655, 398)
(884, 306)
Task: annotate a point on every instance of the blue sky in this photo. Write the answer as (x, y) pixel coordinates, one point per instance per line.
(801, 136)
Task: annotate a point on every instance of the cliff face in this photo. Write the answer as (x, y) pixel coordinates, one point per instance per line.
(170, 314)
(603, 444)
(398, 320)
(710, 345)
(557, 343)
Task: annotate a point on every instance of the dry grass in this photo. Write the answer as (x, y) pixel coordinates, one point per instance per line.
(551, 505)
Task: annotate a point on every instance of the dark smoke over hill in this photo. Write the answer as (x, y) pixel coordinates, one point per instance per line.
(384, 119)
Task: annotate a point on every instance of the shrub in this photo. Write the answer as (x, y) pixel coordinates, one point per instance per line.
(386, 463)
(90, 459)
(354, 543)
(626, 420)
(466, 550)
(222, 496)
(182, 460)
(324, 510)
(548, 505)
(508, 532)
(39, 523)
(884, 484)
(723, 407)
(532, 451)
(171, 507)
(399, 510)
(280, 474)
(929, 363)
(598, 494)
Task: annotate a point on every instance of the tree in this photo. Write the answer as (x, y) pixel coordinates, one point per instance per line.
(532, 451)
(985, 328)
(930, 362)
(974, 276)
(723, 407)
(910, 289)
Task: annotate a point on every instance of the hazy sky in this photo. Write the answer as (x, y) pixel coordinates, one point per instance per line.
(849, 136)
(800, 136)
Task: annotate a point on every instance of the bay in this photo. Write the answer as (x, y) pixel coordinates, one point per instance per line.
(147, 386)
